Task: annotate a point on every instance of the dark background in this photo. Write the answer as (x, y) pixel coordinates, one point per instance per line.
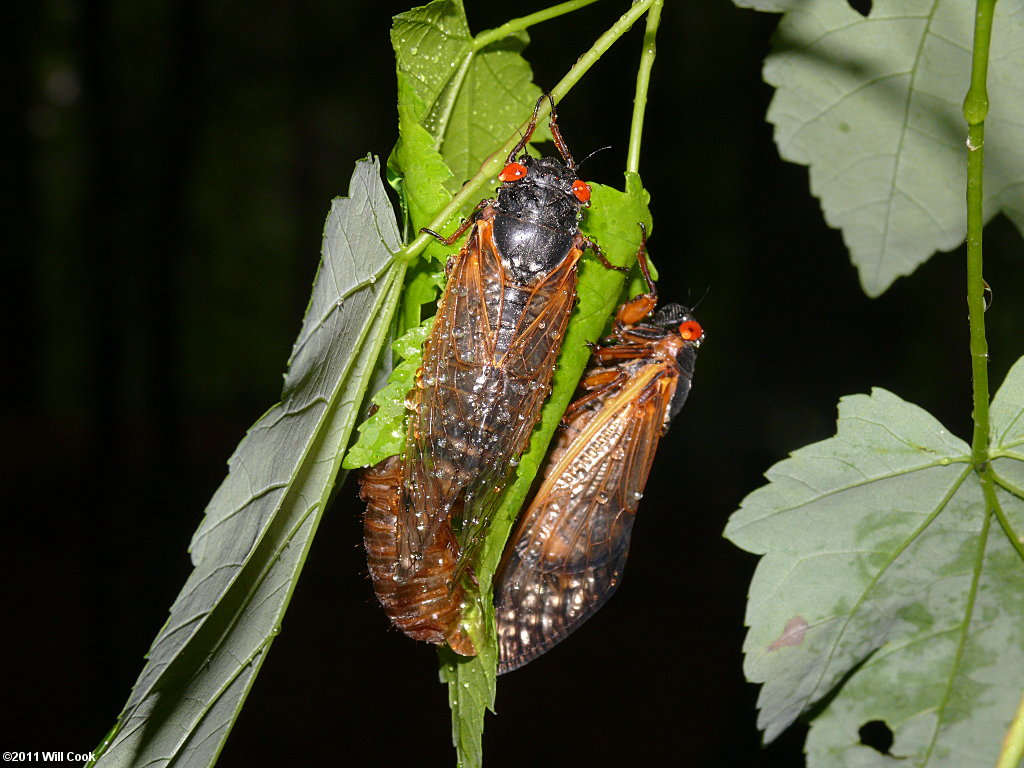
(171, 167)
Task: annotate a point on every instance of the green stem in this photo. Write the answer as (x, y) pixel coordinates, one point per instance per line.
(1013, 743)
(489, 36)
(989, 481)
(643, 82)
(975, 110)
(471, 190)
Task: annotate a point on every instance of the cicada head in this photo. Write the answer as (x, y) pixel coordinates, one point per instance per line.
(678, 322)
(544, 191)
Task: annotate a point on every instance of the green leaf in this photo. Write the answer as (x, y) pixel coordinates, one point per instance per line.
(612, 222)
(383, 434)
(873, 106)
(888, 590)
(472, 682)
(423, 284)
(251, 545)
(419, 167)
(458, 99)
(471, 99)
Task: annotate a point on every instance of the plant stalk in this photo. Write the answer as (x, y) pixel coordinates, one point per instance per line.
(975, 111)
(643, 82)
(1013, 743)
(489, 36)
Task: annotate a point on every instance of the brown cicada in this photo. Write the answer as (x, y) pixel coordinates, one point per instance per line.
(566, 556)
(427, 605)
(487, 368)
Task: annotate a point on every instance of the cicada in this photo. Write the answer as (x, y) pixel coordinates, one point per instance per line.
(487, 367)
(428, 605)
(566, 556)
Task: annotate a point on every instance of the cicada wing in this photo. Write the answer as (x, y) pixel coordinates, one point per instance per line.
(441, 454)
(487, 367)
(529, 324)
(568, 552)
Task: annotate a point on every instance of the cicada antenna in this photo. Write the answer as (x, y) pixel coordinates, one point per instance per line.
(602, 149)
(703, 296)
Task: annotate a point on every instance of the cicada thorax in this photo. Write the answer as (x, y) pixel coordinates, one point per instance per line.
(566, 556)
(427, 606)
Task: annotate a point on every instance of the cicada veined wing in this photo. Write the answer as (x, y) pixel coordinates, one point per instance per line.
(569, 548)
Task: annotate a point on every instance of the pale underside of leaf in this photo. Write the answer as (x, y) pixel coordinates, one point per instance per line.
(873, 106)
(885, 592)
(251, 545)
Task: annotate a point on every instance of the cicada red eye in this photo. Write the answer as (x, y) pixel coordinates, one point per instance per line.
(512, 172)
(581, 190)
(691, 330)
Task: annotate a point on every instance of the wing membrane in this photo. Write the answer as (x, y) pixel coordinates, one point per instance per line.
(568, 552)
(487, 368)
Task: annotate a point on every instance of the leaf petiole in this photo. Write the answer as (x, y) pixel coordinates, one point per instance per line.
(489, 36)
(643, 82)
(975, 110)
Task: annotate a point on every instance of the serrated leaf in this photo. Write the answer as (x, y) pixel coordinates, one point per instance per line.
(424, 282)
(873, 106)
(251, 545)
(418, 167)
(472, 97)
(887, 591)
(611, 222)
(460, 97)
(472, 682)
(383, 434)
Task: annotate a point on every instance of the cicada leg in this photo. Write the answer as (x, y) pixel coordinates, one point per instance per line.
(532, 126)
(600, 255)
(466, 224)
(621, 352)
(556, 135)
(641, 306)
(597, 385)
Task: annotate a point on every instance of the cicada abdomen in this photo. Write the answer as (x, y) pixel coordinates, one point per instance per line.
(566, 556)
(427, 606)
